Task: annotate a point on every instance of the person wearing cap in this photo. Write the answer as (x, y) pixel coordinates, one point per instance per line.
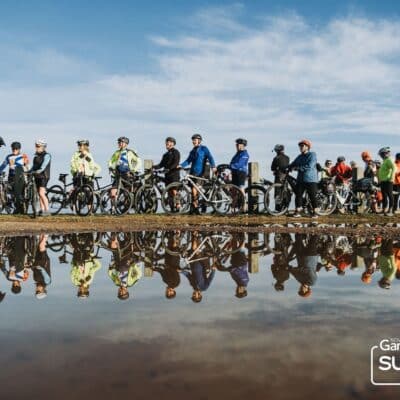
(17, 162)
(124, 270)
(41, 170)
(124, 162)
(83, 166)
(386, 175)
(307, 177)
(239, 164)
(41, 269)
(396, 184)
(341, 171)
(170, 161)
(197, 160)
(279, 163)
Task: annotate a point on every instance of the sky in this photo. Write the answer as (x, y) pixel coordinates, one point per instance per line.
(272, 72)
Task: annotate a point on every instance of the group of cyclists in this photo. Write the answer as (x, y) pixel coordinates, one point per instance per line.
(125, 163)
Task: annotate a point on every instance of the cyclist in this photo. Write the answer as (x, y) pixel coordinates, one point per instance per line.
(279, 163)
(307, 177)
(396, 183)
(197, 159)
(41, 269)
(41, 170)
(16, 162)
(370, 169)
(386, 174)
(326, 170)
(170, 161)
(124, 162)
(341, 171)
(239, 164)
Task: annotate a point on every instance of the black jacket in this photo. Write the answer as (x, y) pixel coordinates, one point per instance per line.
(278, 166)
(170, 161)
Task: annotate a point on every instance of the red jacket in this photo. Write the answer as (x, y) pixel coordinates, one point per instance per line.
(342, 172)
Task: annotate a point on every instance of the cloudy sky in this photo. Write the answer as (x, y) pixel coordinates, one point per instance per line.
(271, 72)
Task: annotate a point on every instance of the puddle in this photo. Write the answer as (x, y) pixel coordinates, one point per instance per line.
(179, 314)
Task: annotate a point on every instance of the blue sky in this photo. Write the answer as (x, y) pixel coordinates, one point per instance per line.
(271, 71)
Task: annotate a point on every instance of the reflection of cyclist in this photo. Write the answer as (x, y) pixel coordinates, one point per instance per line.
(387, 264)
(41, 269)
(123, 270)
(83, 165)
(240, 272)
(124, 162)
(239, 164)
(307, 177)
(41, 170)
(16, 162)
(197, 159)
(84, 263)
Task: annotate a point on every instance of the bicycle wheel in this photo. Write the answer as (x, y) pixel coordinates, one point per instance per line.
(176, 198)
(56, 197)
(106, 205)
(84, 200)
(277, 199)
(326, 203)
(123, 202)
(34, 200)
(3, 199)
(256, 199)
(227, 199)
(146, 201)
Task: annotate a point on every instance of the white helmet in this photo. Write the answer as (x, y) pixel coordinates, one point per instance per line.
(40, 142)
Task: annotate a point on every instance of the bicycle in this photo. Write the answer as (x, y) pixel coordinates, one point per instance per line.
(6, 195)
(222, 197)
(278, 198)
(31, 195)
(149, 194)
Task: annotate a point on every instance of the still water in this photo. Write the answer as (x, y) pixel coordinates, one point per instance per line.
(196, 315)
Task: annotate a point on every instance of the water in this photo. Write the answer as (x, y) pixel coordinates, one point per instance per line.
(281, 316)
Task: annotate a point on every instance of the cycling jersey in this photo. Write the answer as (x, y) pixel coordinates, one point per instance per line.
(125, 161)
(240, 161)
(197, 159)
(341, 172)
(306, 165)
(13, 161)
(84, 164)
(41, 165)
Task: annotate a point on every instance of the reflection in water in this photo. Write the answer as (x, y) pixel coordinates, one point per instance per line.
(216, 314)
(195, 257)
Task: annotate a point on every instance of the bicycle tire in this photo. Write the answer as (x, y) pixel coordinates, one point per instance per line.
(123, 201)
(277, 204)
(180, 202)
(56, 197)
(227, 199)
(327, 203)
(146, 200)
(84, 200)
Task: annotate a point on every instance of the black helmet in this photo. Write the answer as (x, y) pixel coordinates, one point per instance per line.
(279, 147)
(384, 150)
(16, 145)
(197, 136)
(341, 159)
(170, 139)
(397, 156)
(123, 139)
(2, 143)
(328, 162)
(241, 141)
(83, 142)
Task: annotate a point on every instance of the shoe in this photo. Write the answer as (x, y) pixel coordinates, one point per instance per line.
(314, 216)
(40, 213)
(389, 214)
(194, 211)
(296, 215)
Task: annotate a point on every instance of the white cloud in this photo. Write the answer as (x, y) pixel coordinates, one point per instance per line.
(274, 81)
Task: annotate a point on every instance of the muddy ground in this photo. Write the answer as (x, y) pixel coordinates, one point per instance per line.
(338, 224)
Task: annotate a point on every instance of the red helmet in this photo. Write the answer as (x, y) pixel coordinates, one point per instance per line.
(366, 155)
(306, 142)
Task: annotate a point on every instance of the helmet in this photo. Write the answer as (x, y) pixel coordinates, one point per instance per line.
(16, 145)
(366, 155)
(197, 136)
(41, 295)
(123, 139)
(279, 147)
(341, 159)
(84, 142)
(305, 294)
(170, 139)
(40, 142)
(366, 278)
(397, 156)
(306, 142)
(384, 150)
(2, 143)
(241, 141)
(328, 162)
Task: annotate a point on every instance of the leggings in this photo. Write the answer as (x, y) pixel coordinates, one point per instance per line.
(387, 194)
(311, 188)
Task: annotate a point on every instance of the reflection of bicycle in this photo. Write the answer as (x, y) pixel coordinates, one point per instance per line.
(223, 198)
(279, 196)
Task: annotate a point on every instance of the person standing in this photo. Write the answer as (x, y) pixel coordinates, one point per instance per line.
(279, 163)
(197, 160)
(396, 183)
(41, 170)
(170, 161)
(307, 177)
(341, 171)
(386, 174)
(239, 164)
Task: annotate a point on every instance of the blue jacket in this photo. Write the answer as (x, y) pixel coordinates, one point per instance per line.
(306, 165)
(197, 159)
(239, 161)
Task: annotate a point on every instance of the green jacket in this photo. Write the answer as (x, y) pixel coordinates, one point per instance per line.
(90, 168)
(387, 266)
(84, 273)
(134, 274)
(134, 161)
(387, 170)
